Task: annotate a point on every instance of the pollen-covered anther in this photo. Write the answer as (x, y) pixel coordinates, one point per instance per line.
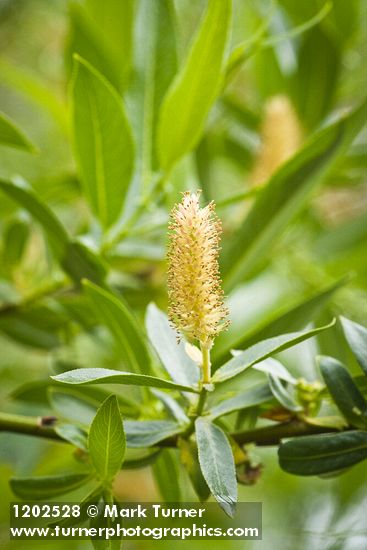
(194, 286)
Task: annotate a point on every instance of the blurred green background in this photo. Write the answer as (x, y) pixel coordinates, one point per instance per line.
(306, 65)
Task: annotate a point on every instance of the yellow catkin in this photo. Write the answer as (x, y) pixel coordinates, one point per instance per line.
(196, 306)
(281, 138)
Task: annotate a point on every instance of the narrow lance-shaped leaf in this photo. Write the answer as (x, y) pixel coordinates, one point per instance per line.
(261, 351)
(174, 358)
(195, 87)
(72, 407)
(276, 368)
(319, 454)
(73, 435)
(115, 314)
(217, 463)
(344, 391)
(11, 136)
(356, 336)
(296, 317)
(109, 376)
(41, 488)
(172, 406)
(103, 142)
(256, 396)
(150, 432)
(106, 440)
(282, 395)
(155, 65)
(15, 239)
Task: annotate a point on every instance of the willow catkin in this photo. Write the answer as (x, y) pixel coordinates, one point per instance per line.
(196, 305)
(281, 137)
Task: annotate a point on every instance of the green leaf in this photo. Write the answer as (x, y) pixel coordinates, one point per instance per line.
(282, 395)
(86, 39)
(106, 440)
(356, 336)
(116, 21)
(284, 196)
(245, 50)
(32, 392)
(136, 458)
(23, 194)
(37, 326)
(73, 435)
(258, 395)
(319, 454)
(109, 376)
(155, 65)
(80, 262)
(103, 142)
(261, 351)
(15, 239)
(294, 318)
(11, 136)
(72, 407)
(318, 68)
(44, 488)
(102, 34)
(75, 258)
(79, 404)
(217, 463)
(189, 458)
(166, 473)
(344, 391)
(276, 368)
(115, 314)
(150, 432)
(172, 405)
(195, 88)
(172, 354)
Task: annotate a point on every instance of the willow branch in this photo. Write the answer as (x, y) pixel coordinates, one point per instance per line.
(266, 436)
(29, 425)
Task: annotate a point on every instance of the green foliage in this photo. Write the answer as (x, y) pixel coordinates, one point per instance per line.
(320, 454)
(345, 393)
(114, 314)
(249, 399)
(107, 376)
(195, 87)
(106, 440)
(172, 354)
(356, 336)
(217, 464)
(11, 136)
(103, 142)
(41, 488)
(262, 350)
(149, 433)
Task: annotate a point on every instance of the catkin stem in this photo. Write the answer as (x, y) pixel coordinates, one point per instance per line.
(205, 350)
